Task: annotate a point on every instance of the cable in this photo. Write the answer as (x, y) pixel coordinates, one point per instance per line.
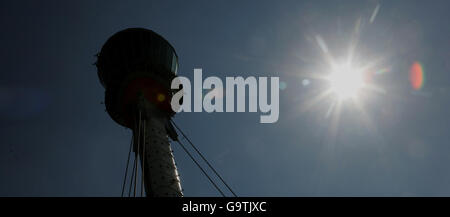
(143, 159)
(201, 155)
(126, 170)
(136, 153)
(132, 176)
(198, 165)
(134, 159)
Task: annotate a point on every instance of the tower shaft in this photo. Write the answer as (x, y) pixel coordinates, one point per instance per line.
(159, 171)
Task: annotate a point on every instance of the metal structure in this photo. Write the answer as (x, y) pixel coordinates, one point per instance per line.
(136, 67)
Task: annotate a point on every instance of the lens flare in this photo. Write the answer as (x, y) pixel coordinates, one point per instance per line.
(416, 76)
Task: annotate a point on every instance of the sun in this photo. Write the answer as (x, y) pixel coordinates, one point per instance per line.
(346, 81)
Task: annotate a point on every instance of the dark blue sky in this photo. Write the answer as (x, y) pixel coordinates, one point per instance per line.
(57, 140)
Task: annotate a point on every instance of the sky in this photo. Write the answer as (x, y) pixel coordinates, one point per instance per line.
(57, 140)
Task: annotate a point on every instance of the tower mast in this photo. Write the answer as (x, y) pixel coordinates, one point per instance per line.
(136, 67)
(151, 141)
